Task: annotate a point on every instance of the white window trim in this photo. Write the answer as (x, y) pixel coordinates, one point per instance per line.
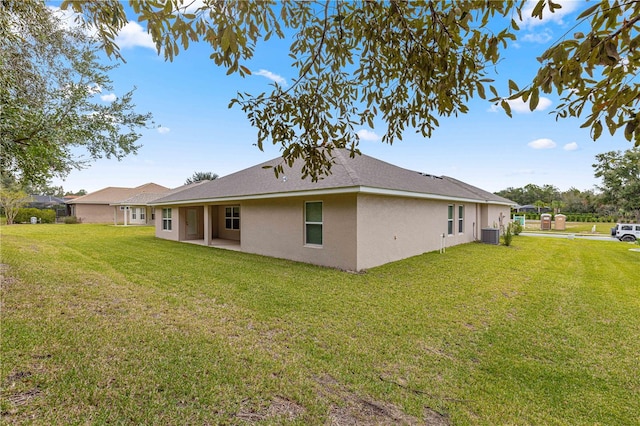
(168, 219)
(232, 218)
(461, 219)
(450, 220)
(321, 223)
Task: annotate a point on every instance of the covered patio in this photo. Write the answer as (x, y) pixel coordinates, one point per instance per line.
(218, 243)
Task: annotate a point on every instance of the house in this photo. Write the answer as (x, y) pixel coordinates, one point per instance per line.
(365, 213)
(138, 208)
(99, 207)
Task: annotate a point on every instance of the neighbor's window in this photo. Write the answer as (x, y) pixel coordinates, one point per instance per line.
(143, 213)
(460, 219)
(450, 220)
(153, 213)
(313, 223)
(133, 213)
(232, 217)
(166, 219)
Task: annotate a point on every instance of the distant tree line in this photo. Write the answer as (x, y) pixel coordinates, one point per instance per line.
(618, 196)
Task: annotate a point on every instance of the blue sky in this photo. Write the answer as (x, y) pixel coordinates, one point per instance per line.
(197, 132)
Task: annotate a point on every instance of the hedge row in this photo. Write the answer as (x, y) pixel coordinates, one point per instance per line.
(43, 215)
(572, 217)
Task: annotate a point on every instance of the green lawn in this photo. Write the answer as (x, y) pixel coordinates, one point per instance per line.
(104, 324)
(602, 228)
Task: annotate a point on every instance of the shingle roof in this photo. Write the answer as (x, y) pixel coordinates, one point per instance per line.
(113, 194)
(145, 198)
(359, 173)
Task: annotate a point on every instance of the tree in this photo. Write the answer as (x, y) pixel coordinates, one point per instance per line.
(11, 201)
(50, 77)
(407, 63)
(200, 176)
(620, 173)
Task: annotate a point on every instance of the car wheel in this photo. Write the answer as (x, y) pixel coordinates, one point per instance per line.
(628, 238)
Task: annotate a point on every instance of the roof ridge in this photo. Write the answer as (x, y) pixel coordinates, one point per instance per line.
(353, 175)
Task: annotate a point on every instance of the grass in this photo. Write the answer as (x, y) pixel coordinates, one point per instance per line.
(603, 228)
(105, 324)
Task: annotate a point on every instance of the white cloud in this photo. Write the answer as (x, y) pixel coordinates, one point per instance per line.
(109, 97)
(271, 76)
(539, 36)
(133, 35)
(543, 143)
(521, 107)
(368, 135)
(572, 146)
(162, 130)
(568, 6)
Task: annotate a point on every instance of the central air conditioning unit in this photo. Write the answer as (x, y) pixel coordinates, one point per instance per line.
(490, 236)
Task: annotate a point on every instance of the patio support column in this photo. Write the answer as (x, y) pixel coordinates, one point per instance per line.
(207, 225)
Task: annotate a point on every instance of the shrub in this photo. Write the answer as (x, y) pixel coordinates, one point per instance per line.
(43, 215)
(517, 228)
(508, 235)
(70, 220)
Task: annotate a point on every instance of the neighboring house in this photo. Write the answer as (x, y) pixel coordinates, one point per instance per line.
(97, 207)
(365, 213)
(137, 209)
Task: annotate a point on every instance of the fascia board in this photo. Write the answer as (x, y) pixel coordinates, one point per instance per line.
(328, 191)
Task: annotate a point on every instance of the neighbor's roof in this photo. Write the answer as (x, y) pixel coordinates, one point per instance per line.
(145, 198)
(361, 173)
(114, 194)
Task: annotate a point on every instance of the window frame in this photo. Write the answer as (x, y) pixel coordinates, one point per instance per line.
(308, 223)
(461, 219)
(167, 219)
(450, 217)
(231, 219)
(134, 212)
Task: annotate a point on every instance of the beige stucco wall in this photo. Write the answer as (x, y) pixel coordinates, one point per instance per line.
(276, 228)
(360, 231)
(394, 228)
(98, 213)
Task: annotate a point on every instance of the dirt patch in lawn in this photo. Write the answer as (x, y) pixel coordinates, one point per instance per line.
(280, 409)
(357, 410)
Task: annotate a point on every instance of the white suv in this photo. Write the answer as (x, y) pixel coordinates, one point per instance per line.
(626, 231)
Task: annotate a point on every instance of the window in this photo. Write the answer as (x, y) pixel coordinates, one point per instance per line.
(232, 217)
(450, 220)
(143, 213)
(166, 219)
(153, 213)
(313, 223)
(134, 211)
(460, 219)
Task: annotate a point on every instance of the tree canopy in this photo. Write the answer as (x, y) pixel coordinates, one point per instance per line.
(620, 173)
(404, 62)
(200, 176)
(50, 79)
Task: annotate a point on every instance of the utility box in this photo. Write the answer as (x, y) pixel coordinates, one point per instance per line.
(560, 222)
(34, 220)
(490, 236)
(545, 222)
